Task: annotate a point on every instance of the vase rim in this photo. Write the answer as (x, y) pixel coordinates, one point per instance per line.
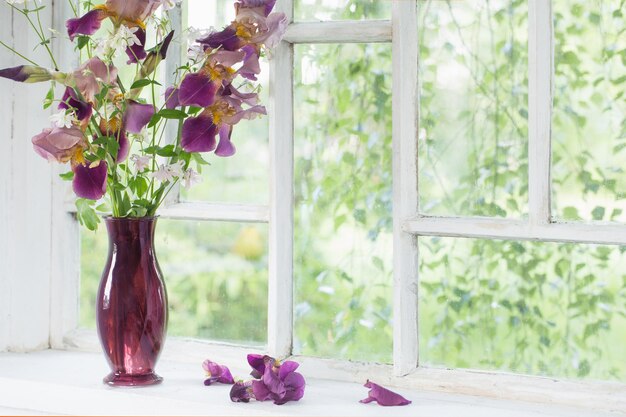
(109, 217)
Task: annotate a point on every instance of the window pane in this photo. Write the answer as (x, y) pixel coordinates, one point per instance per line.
(535, 308)
(242, 178)
(589, 121)
(473, 98)
(342, 9)
(215, 274)
(343, 237)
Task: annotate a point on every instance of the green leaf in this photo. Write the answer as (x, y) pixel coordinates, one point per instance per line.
(199, 159)
(571, 213)
(143, 82)
(172, 114)
(49, 98)
(68, 176)
(82, 41)
(167, 151)
(598, 213)
(154, 120)
(86, 214)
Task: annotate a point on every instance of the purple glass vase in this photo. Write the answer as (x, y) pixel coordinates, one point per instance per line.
(131, 308)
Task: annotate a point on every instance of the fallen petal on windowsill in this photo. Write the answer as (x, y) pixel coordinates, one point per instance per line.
(383, 396)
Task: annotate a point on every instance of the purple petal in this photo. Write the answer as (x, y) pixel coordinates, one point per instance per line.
(383, 396)
(295, 384)
(217, 373)
(198, 134)
(248, 98)
(137, 52)
(156, 55)
(227, 58)
(260, 391)
(251, 65)
(171, 98)
(226, 40)
(197, 90)
(26, 74)
(277, 26)
(286, 368)
(257, 362)
(16, 73)
(87, 24)
(162, 47)
(267, 5)
(210, 380)
(70, 100)
(226, 377)
(225, 148)
(133, 10)
(273, 383)
(240, 392)
(124, 147)
(90, 183)
(58, 144)
(89, 76)
(137, 116)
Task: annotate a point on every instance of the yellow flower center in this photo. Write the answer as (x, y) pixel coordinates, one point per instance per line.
(243, 31)
(220, 110)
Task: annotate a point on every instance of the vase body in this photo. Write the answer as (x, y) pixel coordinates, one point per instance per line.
(131, 307)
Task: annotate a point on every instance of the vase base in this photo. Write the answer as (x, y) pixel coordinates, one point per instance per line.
(125, 380)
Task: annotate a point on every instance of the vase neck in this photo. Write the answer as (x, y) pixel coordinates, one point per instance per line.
(131, 231)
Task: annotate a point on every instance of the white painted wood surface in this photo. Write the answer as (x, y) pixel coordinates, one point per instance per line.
(281, 228)
(359, 31)
(70, 383)
(494, 228)
(405, 119)
(176, 51)
(25, 199)
(65, 239)
(216, 211)
(540, 74)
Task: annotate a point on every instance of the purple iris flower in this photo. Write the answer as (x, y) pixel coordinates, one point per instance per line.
(383, 396)
(217, 373)
(70, 100)
(89, 182)
(197, 89)
(88, 24)
(137, 52)
(137, 116)
(279, 382)
(60, 144)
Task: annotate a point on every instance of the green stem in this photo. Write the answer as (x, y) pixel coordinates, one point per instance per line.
(18, 54)
(45, 41)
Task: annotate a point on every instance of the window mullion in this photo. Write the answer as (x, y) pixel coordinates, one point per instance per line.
(358, 31)
(173, 61)
(405, 111)
(540, 76)
(280, 263)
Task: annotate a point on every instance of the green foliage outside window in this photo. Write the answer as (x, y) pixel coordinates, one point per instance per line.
(538, 308)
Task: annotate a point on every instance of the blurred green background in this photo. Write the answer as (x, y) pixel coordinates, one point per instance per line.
(536, 308)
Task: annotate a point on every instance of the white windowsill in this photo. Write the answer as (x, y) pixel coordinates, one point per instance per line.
(62, 382)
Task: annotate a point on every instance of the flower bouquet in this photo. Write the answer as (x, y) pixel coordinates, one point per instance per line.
(114, 129)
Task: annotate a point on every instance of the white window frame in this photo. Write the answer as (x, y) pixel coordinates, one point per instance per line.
(402, 32)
